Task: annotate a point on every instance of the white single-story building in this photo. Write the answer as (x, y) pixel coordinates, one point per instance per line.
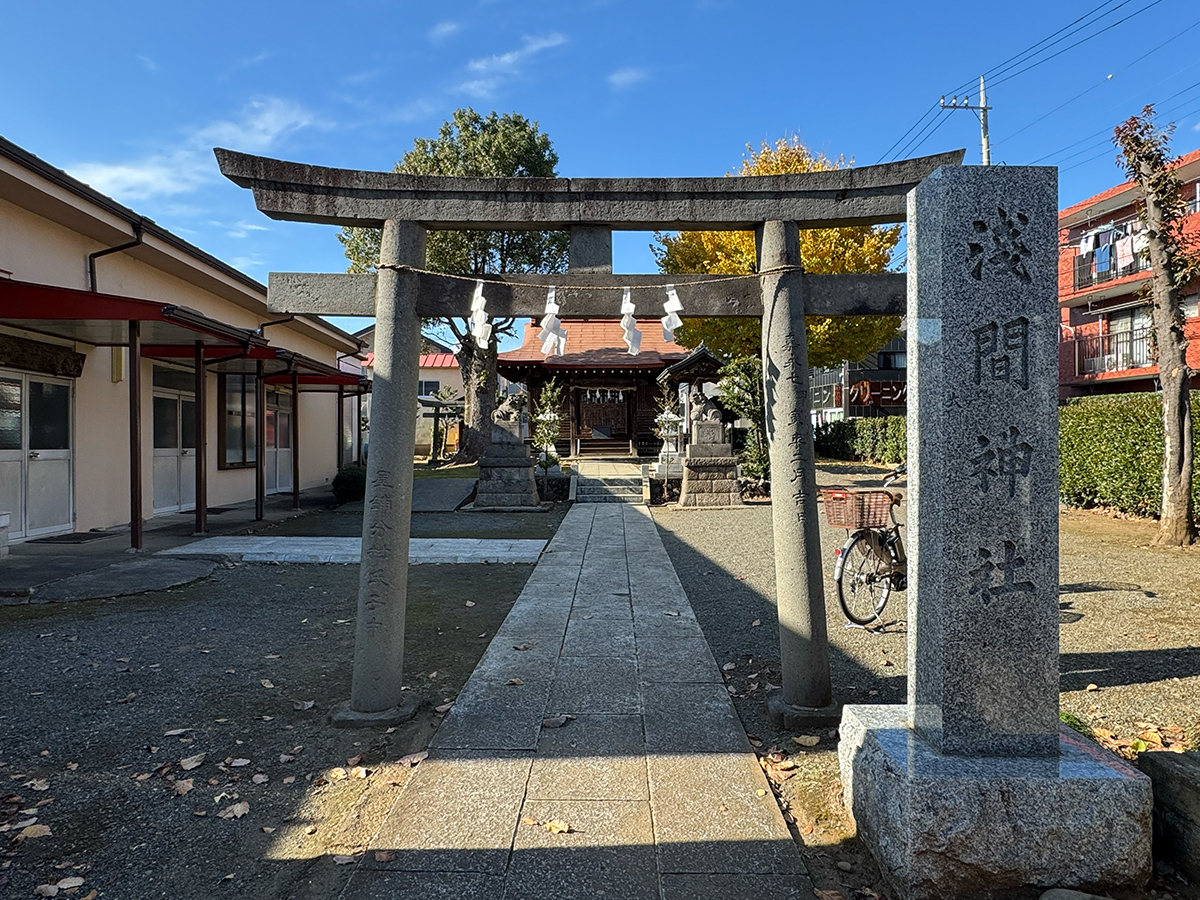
(137, 372)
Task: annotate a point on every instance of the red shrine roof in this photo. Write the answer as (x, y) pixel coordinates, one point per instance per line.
(438, 361)
(597, 343)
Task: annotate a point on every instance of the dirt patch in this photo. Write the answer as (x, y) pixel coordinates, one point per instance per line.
(103, 700)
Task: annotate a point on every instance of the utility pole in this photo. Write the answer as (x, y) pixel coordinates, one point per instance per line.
(982, 109)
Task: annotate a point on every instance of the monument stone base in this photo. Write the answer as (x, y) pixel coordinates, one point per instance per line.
(801, 718)
(507, 483)
(709, 477)
(945, 827)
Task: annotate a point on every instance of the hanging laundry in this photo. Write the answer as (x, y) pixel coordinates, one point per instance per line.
(1083, 270)
(1141, 242)
(1124, 253)
(1103, 258)
(1104, 238)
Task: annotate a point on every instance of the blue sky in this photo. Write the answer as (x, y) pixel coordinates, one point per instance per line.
(131, 98)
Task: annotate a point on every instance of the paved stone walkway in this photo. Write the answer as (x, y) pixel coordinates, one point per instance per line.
(291, 549)
(664, 796)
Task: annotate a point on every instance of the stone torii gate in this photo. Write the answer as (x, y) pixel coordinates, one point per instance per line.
(399, 295)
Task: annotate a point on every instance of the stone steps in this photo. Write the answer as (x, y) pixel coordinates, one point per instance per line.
(608, 490)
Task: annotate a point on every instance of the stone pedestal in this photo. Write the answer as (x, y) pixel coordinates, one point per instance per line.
(709, 470)
(951, 826)
(506, 472)
(972, 789)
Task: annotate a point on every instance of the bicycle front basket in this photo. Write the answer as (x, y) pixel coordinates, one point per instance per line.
(855, 509)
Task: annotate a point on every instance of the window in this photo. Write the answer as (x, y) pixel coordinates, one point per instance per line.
(427, 388)
(893, 360)
(237, 434)
(1190, 306)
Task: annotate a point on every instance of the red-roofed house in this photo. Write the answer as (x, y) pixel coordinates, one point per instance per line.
(610, 406)
(1105, 340)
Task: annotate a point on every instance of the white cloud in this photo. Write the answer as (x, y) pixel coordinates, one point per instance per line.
(492, 71)
(626, 78)
(509, 63)
(245, 263)
(146, 61)
(241, 229)
(443, 30)
(261, 125)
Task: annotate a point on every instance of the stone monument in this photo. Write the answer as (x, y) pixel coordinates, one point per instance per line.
(974, 787)
(506, 476)
(709, 467)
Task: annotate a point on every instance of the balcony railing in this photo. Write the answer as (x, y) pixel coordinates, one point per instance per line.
(1087, 277)
(1193, 205)
(1118, 351)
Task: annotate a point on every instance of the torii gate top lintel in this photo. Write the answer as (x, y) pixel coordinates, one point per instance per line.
(289, 191)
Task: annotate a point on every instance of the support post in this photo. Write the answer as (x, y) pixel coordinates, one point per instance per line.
(260, 438)
(341, 427)
(358, 456)
(806, 696)
(434, 443)
(295, 439)
(201, 449)
(135, 435)
(375, 696)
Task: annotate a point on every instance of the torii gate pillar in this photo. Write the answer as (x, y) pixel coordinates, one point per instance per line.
(806, 697)
(375, 695)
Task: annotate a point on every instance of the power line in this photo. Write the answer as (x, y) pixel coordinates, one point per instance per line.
(1105, 152)
(921, 136)
(907, 133)
(1100, 83)
(1025, 56)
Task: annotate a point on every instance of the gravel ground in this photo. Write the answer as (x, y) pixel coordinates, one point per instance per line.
(102, 700)
(1129, 630)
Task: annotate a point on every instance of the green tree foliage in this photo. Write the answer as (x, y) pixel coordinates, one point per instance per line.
(473, 145)
(828, 250)
(741, 388)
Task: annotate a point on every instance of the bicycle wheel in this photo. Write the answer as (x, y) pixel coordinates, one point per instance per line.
(864, 583)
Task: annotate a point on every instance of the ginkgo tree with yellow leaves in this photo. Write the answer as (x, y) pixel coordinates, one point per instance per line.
(862, 248)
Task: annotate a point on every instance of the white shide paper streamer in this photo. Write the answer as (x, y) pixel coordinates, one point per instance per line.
(481, 328)
(552, 335)
(671, 320)
(633, 337)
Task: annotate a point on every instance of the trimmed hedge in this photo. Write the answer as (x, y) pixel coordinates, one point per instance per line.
(1110, 449)
(350, 484)
(878, 440)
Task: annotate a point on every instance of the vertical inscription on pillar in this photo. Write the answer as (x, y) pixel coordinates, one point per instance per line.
(984, 493)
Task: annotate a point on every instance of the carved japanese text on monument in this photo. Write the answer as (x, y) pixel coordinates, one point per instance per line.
(1002, 352)
(998, 572)
(1008, 248)
(1006, 460)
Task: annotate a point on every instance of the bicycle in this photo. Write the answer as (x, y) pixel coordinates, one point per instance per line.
(872, 563)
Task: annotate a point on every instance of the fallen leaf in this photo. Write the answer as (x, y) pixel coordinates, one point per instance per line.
(385, 856)
(34, 831)
(70, 883)
(412, 759)
(266, 682)
(670, 614)
(556, 721)
(354, 760)
(183, 785)
(761, 792)
(235, 811)
(514, 681)
(756, 623)
(46, 890)
(303, 704)
(128, 698)
(359, 772)
(557, 826)
(289, 779)
(260, 778)
(528, 820)
(175, 732)
(443, 709)
(1092, 687)
(238, 763)
(728, 667)
(470, 603)
(521, 647)
(341, 860)
(37, 784)
(91, 895)
(267, 829)
(191, 762)
(286, 757)
(806, 740)
(72, 766)
(337, 774)
(272, 656)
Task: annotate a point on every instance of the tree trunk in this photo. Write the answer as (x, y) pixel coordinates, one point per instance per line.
(1177, 524)
(479, 393)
